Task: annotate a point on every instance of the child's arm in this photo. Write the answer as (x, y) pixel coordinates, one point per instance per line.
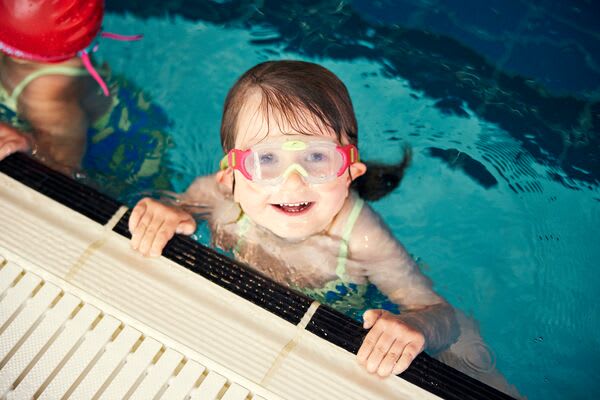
(426, 321)
(11, 141)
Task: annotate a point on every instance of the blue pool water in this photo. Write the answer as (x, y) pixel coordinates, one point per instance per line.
(501, 204)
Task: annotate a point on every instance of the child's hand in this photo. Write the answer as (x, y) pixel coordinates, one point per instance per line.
(11, 141)
(152, 224)
(391, 344)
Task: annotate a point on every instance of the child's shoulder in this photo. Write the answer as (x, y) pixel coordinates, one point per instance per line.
(206, 185)
(207, 191)
(369, 234)
(354, 215)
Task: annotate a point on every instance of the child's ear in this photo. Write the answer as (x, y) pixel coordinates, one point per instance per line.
(357, 169)
(225, 178)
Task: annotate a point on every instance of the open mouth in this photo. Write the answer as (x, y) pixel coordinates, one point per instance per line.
(294, 208)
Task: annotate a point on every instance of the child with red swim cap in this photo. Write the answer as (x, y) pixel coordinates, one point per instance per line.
(47, 78)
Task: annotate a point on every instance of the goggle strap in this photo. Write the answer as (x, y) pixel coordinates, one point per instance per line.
(223, 164)
(122, 38)
(231, 161)
(85, 58)
(353, 155)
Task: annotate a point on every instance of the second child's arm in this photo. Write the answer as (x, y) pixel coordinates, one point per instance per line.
(52, 106)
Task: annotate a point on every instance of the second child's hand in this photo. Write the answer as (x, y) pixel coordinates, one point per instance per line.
(12, 141)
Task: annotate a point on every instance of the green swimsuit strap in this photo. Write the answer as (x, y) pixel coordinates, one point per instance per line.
(59, 70)
(243, 227)
(340, 270)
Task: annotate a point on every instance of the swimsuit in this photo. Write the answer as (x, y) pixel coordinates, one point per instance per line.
(126, 145)
(349, 298)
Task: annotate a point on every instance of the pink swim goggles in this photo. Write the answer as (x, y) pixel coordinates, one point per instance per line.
(272, 163)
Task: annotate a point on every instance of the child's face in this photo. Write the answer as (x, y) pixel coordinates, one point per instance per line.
(292, 209)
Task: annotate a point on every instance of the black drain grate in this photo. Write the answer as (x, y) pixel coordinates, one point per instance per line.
(59, 187)
(326, 323)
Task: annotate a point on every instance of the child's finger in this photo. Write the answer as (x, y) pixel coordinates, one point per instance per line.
(391, 358)
(134, 218)
(150, 234)
(186, 227)
(370, 317)
(368, 345)
(139, 231)
(408, 355)
(164, 234)
(381, 348)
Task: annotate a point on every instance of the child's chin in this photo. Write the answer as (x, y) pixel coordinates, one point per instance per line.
(293, 233)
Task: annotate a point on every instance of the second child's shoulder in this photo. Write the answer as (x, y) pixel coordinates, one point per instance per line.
(56, 86)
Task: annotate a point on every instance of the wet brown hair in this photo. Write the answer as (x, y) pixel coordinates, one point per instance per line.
(306, 95)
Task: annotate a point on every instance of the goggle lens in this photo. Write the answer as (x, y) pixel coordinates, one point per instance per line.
(316, 162)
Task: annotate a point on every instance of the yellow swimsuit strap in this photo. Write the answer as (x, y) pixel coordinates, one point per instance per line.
(57, 70)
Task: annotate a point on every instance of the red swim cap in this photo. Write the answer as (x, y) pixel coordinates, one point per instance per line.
(48, 30)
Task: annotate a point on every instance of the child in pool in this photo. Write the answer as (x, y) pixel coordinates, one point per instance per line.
(47, 78)
(283, 203)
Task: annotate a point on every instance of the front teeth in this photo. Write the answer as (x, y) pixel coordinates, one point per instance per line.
(293, 204)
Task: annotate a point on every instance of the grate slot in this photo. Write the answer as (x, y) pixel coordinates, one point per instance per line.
(183, 383)
(236, 392)
(8, 275)
(21, 327)
(77, 366)
(210, 387)
(107, 365)
(57, 354)
(16, 298)
(158, 376)
(133, 370)
(37, 343)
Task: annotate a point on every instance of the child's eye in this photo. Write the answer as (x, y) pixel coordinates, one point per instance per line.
(267, 158)
(317, 157)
